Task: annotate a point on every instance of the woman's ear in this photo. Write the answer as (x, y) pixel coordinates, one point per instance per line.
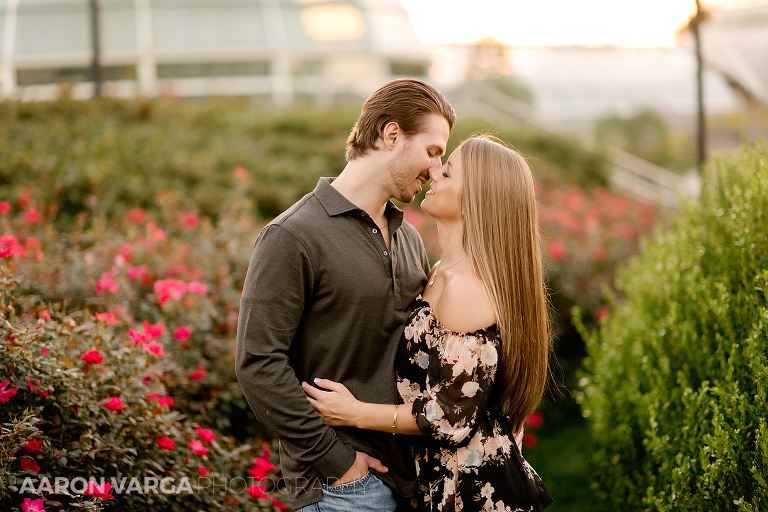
(390, 133)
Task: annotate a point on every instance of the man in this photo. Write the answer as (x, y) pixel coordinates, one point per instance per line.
(328, 291)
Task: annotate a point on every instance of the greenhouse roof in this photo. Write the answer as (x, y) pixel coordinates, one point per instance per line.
(60, 29)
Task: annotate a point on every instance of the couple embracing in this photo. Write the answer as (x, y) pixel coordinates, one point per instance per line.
(390, 385)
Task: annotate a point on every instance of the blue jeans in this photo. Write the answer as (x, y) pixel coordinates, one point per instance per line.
(369, 494)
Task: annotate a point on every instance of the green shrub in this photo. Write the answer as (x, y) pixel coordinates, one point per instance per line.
(556, 161)
(119, 153)
(676, 382)
(647, 135)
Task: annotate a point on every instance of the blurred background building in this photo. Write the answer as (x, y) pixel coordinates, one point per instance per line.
(572, 88)
(338, 51)
(281, 49)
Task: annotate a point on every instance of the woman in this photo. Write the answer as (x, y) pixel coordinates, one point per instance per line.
(473, 361)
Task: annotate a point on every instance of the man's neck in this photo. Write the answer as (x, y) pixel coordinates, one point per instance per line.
(356, 184)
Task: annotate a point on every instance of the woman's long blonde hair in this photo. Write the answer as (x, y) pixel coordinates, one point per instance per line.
(501, 237)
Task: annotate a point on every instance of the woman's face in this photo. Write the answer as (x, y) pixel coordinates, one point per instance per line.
(443, 199)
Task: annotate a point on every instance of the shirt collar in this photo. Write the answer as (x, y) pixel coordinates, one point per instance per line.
(336, 204)
(331, 199)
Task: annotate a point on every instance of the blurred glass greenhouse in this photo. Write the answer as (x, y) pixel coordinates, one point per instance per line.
(279, 49)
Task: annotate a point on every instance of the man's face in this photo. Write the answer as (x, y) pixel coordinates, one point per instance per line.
(417, 156)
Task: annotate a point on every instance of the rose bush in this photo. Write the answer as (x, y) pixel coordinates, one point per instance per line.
(116, 357)
(587, 234)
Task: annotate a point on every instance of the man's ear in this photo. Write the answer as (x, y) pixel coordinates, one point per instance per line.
(390, 134)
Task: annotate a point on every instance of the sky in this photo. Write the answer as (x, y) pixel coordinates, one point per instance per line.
(627, 23)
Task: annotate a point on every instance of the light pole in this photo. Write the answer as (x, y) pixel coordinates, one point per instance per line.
(96, 68)
(701, 133)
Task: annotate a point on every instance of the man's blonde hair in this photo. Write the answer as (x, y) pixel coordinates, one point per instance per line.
(406, 101)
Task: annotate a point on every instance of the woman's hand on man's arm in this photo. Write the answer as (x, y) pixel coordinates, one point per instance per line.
(334, 402)
(339, 408)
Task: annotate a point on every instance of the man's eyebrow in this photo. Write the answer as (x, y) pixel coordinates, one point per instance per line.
(440, 149)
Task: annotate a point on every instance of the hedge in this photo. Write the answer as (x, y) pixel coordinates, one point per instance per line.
(676, 381)
(112, 155)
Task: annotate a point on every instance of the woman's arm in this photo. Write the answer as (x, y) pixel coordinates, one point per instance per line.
(338, 407)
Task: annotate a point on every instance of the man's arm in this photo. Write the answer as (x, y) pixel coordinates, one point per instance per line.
(277, 286)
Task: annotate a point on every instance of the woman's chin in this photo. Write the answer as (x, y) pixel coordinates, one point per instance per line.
(425, 205)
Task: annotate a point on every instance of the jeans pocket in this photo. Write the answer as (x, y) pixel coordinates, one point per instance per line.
(345, 487)
(368, 494)
(314, 507)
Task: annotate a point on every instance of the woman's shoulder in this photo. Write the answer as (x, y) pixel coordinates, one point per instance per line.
(464, 305)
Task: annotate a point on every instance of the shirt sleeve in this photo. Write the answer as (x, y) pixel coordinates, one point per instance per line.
(459, 379)
(277, 287)
(424, 258)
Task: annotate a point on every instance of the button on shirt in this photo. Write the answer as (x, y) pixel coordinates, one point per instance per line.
(323, 297)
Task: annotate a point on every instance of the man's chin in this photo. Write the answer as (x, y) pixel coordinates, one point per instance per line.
(405, 197)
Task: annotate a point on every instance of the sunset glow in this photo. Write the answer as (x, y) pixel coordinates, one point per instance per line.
(552, 22)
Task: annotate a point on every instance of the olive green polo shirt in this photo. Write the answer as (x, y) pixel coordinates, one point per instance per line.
(324, 297)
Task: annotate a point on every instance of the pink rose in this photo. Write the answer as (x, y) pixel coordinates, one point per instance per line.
(199, 373)
(30, 505)
(257, 491)
(182, 333)
(155, 348)
(154, 330)
(99, 491)
(197, 447)
(165, 443)
(107, 318)
(136, 215)
(92, 357)
(557, 251)
(114, 404)
(32, 216)
(205, 434)
(6, 394)
(29, 464)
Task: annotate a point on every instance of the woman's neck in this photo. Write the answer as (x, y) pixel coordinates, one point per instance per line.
(450, 236)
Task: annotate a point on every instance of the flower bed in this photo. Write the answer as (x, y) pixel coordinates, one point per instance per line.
(117, 362)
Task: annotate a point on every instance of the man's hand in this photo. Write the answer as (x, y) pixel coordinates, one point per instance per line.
(363, 463)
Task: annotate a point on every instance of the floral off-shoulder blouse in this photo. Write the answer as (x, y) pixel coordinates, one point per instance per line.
(467, 459)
